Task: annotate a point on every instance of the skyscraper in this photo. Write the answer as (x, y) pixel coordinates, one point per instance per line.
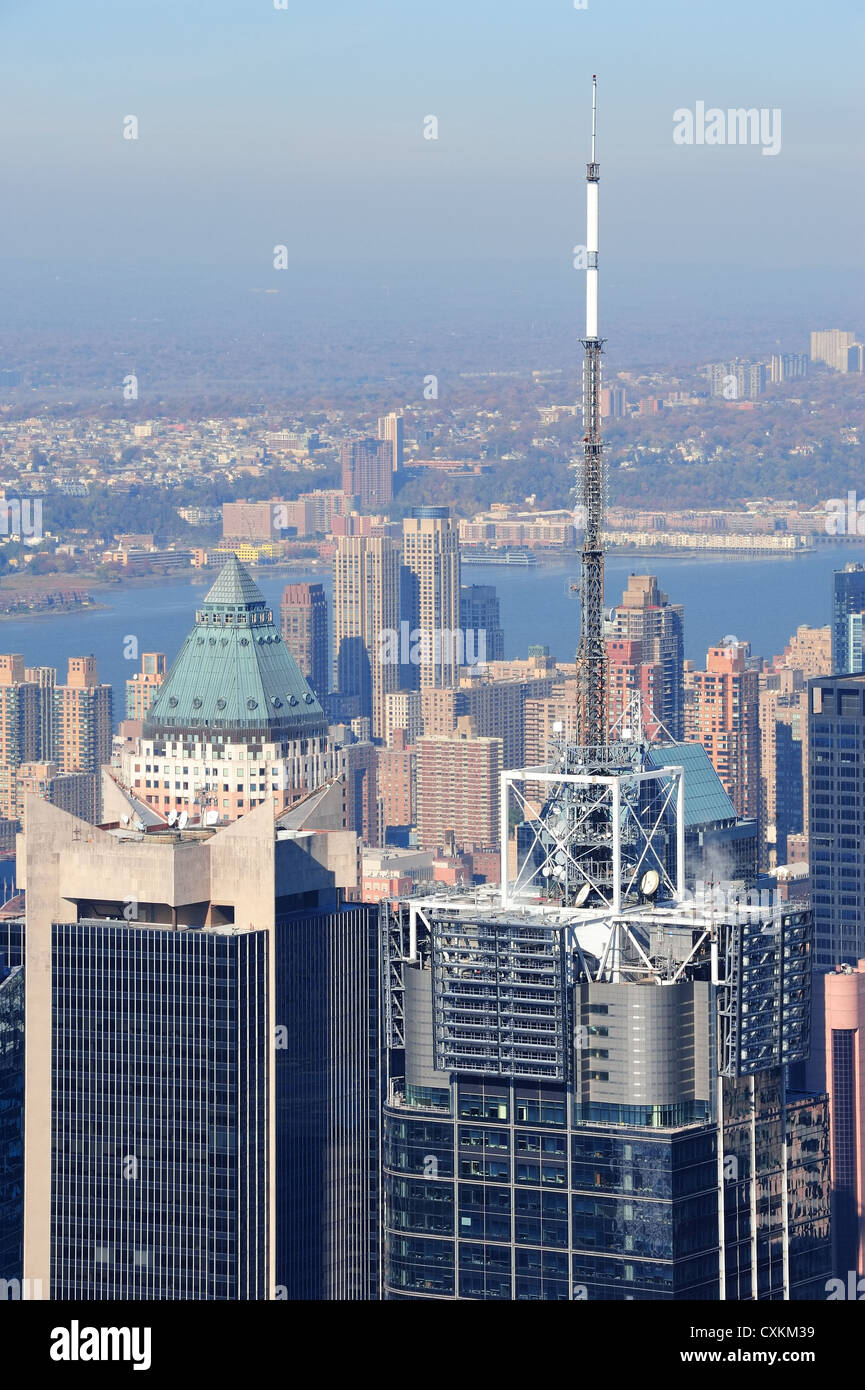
(390, 428)
(848, 596)
(646, 616)
(837, 818)
(304, 630)
(366, 662)
(20, 735)
(725, 717)
(839, 1026)
(234, 723)
(83, 725)
(480, 613)
(367, 471)
(202, 1065)
(431, 556)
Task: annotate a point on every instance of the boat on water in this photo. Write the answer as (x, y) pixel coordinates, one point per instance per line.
(524, 559)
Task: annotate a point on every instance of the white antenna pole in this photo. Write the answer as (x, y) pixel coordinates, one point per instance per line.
(592, 226)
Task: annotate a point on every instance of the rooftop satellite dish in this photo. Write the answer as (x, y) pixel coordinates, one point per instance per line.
(124, 820)
(183, 820)
(211, 818)
(172, 817)
(583, 894)
(650, 883)
(558, 726)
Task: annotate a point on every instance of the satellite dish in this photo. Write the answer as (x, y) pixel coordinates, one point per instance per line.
(183, 820)
(172, 817)
(124, 820)
(546, 871)
(211, 818)
(138, 823)
(583, 895)
(650, 883)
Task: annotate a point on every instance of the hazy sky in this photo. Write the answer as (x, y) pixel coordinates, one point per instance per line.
(304, 127)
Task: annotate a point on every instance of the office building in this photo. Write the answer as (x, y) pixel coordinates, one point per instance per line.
(836, 738)
(390, 428)
(480, 614)
(848, 597)
(202, 1064)
(11, 1119)
(431, 595)
(303, 613)
(142, 687)
(838, 1063)
(366, 623)
(367, 471)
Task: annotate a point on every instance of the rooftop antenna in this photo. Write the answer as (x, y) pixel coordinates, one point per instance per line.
(591, 654)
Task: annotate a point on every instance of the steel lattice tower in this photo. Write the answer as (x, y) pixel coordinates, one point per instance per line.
(591, 655)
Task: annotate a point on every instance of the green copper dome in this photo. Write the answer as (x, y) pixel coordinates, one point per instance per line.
(234, 674)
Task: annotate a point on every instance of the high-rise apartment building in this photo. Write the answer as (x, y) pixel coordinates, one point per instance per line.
(83, 724)
(837, 348)
(783, 761)
(458, 789)
(202, 1065)
(788, 366)
(390, 428)
(366, 623)
(397, 773)
(142, 687)
(431, 598)
(646, 616)
(20, 733)
(45, 679)
(403, 711)
(724, 716)
(367, 471)
(848, 596)
(303, 612)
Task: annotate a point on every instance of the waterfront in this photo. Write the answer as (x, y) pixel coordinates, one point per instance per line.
(761, 600)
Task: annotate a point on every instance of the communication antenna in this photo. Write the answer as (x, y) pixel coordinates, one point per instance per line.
(591, 654)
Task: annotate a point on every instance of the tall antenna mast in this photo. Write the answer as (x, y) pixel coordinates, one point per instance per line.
(592, 655)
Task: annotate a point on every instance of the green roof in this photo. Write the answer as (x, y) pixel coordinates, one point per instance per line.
(706, 802)
(234, 674)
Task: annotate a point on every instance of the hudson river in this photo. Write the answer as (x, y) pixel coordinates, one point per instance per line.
(759, 600)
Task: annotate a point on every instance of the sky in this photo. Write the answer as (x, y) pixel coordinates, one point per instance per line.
(304, 126)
